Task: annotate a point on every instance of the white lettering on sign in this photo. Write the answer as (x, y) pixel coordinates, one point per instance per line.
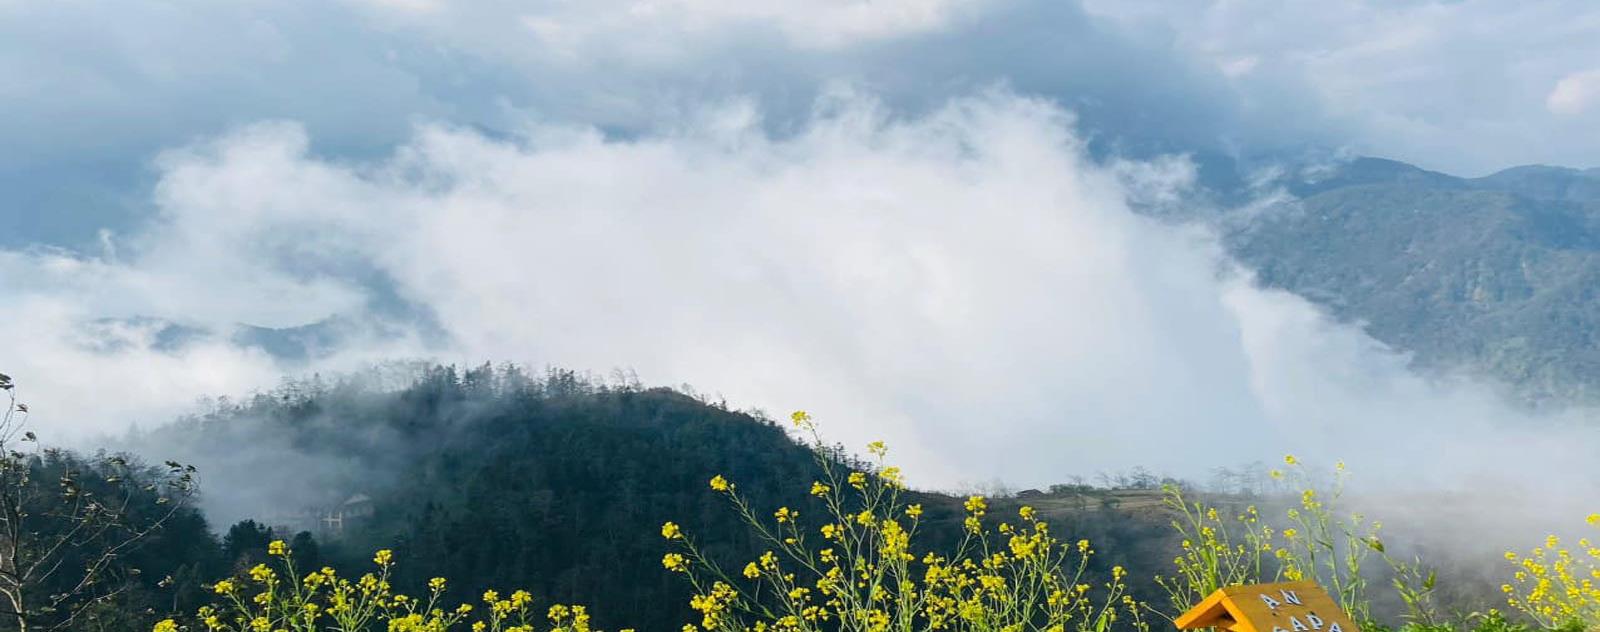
(1272, 604)
(1297, 625)
(1316, 621)
(1335, 627)
(1290, 597)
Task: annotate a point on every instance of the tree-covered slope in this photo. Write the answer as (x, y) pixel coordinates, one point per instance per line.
(1499, 274)
(498, 479)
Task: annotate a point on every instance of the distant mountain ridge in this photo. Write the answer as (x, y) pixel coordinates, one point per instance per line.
(1498, 274)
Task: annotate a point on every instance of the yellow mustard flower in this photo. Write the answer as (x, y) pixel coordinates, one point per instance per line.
(976, 505)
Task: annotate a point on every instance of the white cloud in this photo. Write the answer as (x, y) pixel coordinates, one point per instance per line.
(97, 89)
(965, 284)
(808, 23)
(413, 6)
(1458, 86)
(682, 25)
(1575, 93)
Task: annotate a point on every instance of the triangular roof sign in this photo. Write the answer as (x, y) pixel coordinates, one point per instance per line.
(1287, 606)
(1213, 612)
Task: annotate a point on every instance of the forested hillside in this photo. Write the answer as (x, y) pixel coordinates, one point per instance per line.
(554, 483)
(1499, 274)
(557, 489)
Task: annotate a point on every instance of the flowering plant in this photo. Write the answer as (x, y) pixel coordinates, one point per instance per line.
(270, 598)
(858, 568)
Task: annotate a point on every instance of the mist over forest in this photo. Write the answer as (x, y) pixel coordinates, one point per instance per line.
(797, 315)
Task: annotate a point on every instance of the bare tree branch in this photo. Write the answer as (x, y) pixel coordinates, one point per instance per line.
(62, 546)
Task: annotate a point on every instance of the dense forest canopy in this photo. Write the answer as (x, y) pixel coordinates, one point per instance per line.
(495, 477)
(558, 484)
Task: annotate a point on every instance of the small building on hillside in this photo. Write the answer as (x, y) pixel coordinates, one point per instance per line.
(328, 522)
(348, 514)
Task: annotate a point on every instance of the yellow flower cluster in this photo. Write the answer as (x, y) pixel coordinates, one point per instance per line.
(801, 419)
(866, 574)
(269, 600)
(976, 507)
(1555, 585)
(714, 604)
(1217, 551)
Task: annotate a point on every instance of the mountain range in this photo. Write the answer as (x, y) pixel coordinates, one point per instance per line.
(1493, 277)
(1496, 276)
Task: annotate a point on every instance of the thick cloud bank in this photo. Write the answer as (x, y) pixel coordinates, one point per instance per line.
(1467, 86)
(966, 285)
(93, 89)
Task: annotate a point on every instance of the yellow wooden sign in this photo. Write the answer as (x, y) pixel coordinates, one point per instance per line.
(1285, 607)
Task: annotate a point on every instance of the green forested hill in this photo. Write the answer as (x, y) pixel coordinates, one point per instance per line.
(498, 479)
(1499, 274)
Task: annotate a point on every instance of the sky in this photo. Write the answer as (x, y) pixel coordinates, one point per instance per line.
(93, 91)
(910, 217)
